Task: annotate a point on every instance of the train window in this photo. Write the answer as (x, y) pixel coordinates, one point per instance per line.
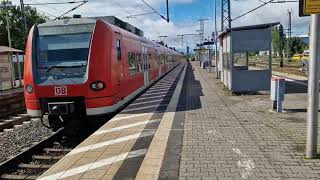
(118, 46)
(139, 62)
(132, 63)
(149, 60)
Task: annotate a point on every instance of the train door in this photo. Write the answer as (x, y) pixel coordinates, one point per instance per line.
(145, 61)
(158, 59)
(119, 49)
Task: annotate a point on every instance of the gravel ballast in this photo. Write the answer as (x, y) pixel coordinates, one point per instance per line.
(14, 141)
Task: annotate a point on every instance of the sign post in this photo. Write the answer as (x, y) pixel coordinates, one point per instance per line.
(312, 7)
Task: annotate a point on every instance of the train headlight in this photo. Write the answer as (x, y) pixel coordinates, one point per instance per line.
(29, 89)
(97, 85)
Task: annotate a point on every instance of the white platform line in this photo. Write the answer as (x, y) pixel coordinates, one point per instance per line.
(161, 86)
(155, 151)
(148, 94)
(119, 128)
(145, 107)
(95, 165)
(107, 143)
(156, 90)
(146, 102)
(141, 98)
(129, 116)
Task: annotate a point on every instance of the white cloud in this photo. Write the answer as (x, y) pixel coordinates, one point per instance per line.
(274, 12)
(154, 26)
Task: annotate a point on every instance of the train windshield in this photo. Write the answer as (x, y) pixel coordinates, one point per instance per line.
(63, 45)
(62, 53)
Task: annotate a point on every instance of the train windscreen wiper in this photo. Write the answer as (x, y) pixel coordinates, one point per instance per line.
(62, 66)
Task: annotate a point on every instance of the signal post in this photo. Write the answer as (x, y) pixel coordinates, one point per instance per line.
(311, 7)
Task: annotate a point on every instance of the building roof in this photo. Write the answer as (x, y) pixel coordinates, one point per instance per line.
(257, 26)
(8, 49)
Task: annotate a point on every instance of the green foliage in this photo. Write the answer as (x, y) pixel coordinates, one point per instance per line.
(297, 45)
(278, 39)
(275, 39)
(16, 25)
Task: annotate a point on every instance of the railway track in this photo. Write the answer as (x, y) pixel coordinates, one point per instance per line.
(35, 160)
(13, 121)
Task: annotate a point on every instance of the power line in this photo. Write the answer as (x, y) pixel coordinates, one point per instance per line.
(71, 10)
(41, 4)
(167, 19)
(142, 14)
(264, 3)
(55, 3)
(258, 7)
(47, 13)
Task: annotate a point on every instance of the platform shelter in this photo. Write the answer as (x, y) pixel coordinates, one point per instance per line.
(246, 58)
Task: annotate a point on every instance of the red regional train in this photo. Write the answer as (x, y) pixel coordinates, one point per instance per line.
(88, 67)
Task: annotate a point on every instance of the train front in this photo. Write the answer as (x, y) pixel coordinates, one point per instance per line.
(56, 66)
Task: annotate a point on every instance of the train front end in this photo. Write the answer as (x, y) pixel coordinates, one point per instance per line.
(56, 69)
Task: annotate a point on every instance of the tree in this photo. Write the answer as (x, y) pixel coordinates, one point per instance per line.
(16, 25)
(297, 45)
(275, 40)
(281, 44)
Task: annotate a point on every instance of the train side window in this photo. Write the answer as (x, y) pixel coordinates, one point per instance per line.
(118, 46)
(139, 62)
(149, 60)
(132, 63)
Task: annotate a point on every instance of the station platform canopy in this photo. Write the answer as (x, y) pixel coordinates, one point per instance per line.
(246, 57)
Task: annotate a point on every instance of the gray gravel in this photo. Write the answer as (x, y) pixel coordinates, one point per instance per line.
(16, 140)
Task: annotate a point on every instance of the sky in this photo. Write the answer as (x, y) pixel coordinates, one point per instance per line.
(184, 15)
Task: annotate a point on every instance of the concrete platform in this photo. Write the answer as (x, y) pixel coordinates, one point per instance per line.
(187, 127)
(120, 146)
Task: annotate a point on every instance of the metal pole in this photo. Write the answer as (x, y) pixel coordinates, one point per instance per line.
(13, 82)
(8, 27)
(19, 70)
(216, 39)
(229, 14)
(289, 36)
(313, 88)
(168, 18)
(25, 31)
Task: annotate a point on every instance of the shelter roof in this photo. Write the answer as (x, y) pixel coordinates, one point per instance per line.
(4, 49)
(257, 26)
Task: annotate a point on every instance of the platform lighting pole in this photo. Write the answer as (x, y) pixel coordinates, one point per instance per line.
(202, 36)
(289, 35)
(25, 31)
(216, 38)
(313, 87)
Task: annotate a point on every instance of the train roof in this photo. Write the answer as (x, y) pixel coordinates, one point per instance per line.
(115, 24)
(64, 22)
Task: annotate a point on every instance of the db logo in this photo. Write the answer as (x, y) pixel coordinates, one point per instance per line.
(60, 90)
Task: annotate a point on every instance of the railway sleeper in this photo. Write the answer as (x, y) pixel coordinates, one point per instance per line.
(46, 158)
(56, 150)
(34, 166)
(13, 121)
(14, 176)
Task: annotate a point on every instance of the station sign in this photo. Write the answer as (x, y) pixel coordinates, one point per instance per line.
(308, 7)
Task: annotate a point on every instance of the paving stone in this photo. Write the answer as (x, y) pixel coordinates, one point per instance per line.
(236, 137)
